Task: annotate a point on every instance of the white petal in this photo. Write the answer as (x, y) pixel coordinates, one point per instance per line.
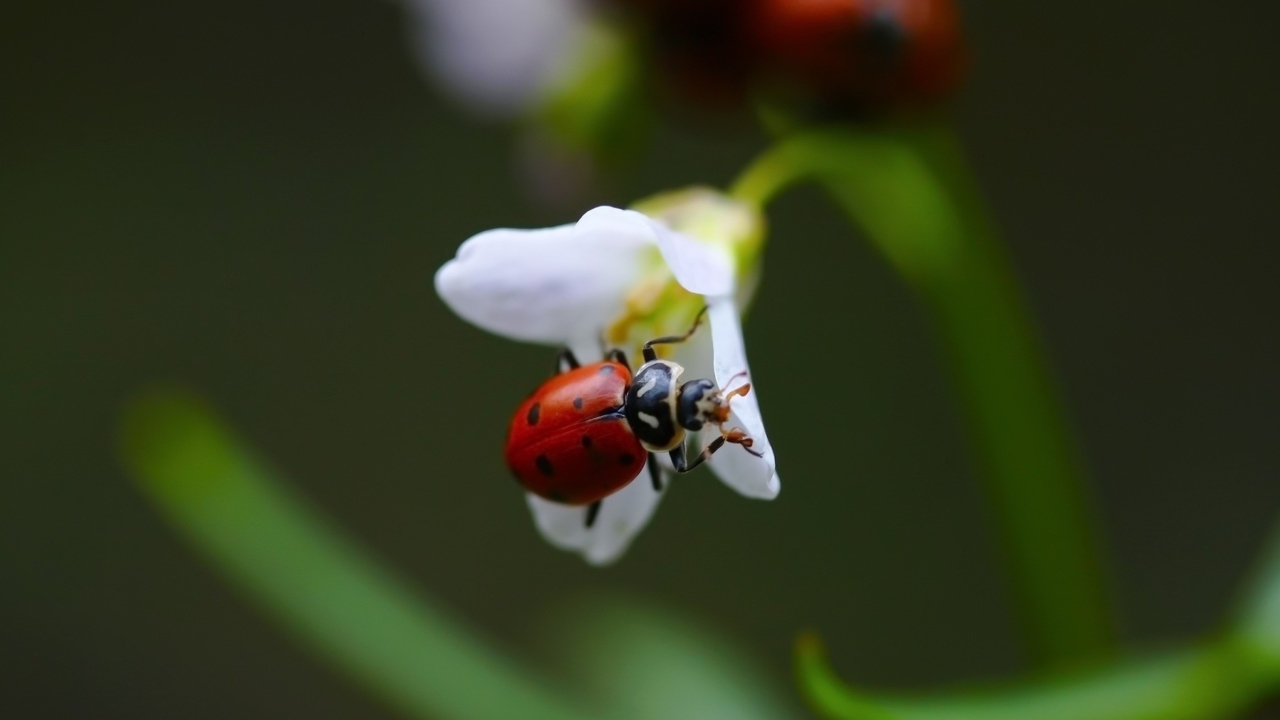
(697, 267)
(499, 55)
(562, 525)
(622, 516)
(750, 475)
(549, 286)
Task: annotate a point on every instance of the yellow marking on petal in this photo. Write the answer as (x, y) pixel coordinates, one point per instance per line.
(657, 305)
(654, 310)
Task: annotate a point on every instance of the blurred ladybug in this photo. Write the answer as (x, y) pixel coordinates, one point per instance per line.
(865, 54)
(586, 433)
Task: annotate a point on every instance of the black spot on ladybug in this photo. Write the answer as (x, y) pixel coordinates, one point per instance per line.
(534, 412)
(606, 369)
(577, 402)
(544, 465)
(626, 459)
(592, 513)
(586, 441)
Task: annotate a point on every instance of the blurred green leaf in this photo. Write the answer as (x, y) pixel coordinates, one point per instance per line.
(650, 665)
(1211, 681)
(1257, 621)
(341, 602)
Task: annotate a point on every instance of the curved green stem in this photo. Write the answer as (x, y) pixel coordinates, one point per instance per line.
(1207, 682)
(331, 594)
(911, 193)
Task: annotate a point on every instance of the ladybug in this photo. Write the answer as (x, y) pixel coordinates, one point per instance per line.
(586, 432)
(869, 53)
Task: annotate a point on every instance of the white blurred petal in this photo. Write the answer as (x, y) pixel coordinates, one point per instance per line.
(549, 286)
(698, 268)
(586, 349)
(622, 516)
(562, 525)
(750, 475)
(499, 55)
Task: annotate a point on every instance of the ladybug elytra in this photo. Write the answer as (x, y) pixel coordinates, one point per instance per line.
(871, 53)
(585, 433)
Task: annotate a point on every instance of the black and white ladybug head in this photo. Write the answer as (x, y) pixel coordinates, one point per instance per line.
(660, 412)
(700, 402)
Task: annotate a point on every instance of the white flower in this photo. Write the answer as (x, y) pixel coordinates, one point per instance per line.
(499, 56)
(625, 277)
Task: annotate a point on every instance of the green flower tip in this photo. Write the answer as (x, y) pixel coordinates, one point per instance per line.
(171, 441)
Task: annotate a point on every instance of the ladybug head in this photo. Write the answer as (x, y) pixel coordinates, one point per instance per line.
(700, 403)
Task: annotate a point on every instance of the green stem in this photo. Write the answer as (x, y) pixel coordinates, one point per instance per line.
(911, 193)
(1206, 682)
(331, 594)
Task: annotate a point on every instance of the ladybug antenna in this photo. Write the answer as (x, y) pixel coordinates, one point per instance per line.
(722, 404)
(740, 390)
(650, 354)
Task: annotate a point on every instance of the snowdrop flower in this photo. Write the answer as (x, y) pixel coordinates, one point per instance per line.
(623, 277)
(564, 73)
(500, 56)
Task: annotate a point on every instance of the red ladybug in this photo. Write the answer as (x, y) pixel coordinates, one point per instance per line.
(586, 433)
(868, 53)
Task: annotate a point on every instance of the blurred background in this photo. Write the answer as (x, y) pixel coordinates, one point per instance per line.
(251, 199)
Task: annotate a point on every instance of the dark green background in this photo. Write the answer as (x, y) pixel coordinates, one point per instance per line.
(251, 198)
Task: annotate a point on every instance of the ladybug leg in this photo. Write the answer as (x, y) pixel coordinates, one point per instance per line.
(650, 354)
(567, 361)
(678, 459)
(655, 473)
(738, 437)
(616, 355)
(593, 512)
